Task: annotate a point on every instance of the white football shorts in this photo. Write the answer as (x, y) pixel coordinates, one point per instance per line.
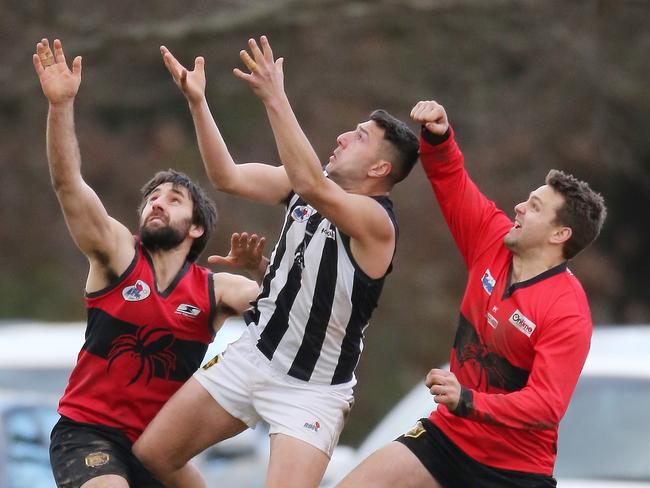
(243, 382)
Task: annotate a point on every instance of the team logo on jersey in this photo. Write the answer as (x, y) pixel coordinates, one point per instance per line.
(329, 233)
(314, 426)
(302, 213)
(189, 310)
(488, 282)
(137, 292)
(416, 431)
(95, 459)
(492, 320)
(523, 323)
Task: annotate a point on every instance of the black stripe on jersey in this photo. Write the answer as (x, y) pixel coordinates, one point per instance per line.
(497, 370)
(254, 317)
(119, 279)
(365, 295)
(278, 324)
(161, 353)
(319, 315)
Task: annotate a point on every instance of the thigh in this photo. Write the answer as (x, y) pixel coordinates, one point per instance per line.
(107, 481)
(188, 423)
(80, 453)
(315, 414)
(393, 465)
(286, 454)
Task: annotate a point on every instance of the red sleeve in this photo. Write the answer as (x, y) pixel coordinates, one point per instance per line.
(560, 354)
(474, 221)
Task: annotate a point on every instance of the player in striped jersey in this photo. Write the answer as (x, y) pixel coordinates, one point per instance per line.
(294, 366)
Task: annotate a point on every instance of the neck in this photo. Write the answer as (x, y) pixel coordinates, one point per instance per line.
(527, 267)
(167, 264)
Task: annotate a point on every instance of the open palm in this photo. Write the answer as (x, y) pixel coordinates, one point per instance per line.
(58, 82)
(191, 83)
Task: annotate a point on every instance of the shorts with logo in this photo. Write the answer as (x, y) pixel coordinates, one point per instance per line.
(80, 452)
(452, 468)
(245, 384)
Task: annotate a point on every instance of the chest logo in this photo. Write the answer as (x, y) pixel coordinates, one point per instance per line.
(189, 310)
(137, 292)
(329, 233)
(488, 282)
(491, 319)
(302, 213)
(523, 323)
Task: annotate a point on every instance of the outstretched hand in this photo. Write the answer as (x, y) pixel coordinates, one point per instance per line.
(191, 83)
(246, 252)
(266, 77)
(432, 115)
(59, 84)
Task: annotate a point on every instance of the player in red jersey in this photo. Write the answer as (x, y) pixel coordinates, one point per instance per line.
(151, 310)
(523, 335)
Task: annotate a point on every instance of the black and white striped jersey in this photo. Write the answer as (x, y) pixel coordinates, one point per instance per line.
(315, 303)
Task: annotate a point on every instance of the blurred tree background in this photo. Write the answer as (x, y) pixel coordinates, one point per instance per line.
(528, 84)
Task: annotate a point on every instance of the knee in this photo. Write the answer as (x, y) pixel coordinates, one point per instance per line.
(150, 459)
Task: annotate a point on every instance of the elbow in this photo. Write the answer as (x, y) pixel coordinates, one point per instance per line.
(548, 417)
(221, 184)
(227, 182)
(309, 188)
(63, 184)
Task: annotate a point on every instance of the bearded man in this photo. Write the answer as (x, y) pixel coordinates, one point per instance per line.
(152, 311)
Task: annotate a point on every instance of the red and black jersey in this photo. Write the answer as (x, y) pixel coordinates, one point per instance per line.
(520, 347)
(141, 345)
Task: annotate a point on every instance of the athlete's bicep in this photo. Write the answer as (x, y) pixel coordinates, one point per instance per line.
(261, 183)
(234, 292)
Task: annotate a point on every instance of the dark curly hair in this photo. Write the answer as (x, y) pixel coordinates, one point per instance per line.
(583, 210)
(204, 211)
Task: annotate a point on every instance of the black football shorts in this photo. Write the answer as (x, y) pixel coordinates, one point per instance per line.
(80, 452)
(452, 468)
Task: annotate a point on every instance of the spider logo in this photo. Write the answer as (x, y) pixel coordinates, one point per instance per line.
(488, 363)
(150, 347)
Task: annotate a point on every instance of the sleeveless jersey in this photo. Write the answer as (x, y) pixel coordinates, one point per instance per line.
(141, 345)
(310, 317)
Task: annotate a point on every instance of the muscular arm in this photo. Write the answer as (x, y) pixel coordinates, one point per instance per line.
(359, 216)
(258, 182)
(108, 245)
(234, 293)
(474, 221)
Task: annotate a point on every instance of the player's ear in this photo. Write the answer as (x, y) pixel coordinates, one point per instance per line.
(380, 169)
(196, 231)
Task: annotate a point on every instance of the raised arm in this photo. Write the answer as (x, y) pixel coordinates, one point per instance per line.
(474, 221)
(259, 182)
(357, 215)
(108, 244)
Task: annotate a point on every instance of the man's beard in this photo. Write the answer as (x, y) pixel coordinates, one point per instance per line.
(164, 238)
